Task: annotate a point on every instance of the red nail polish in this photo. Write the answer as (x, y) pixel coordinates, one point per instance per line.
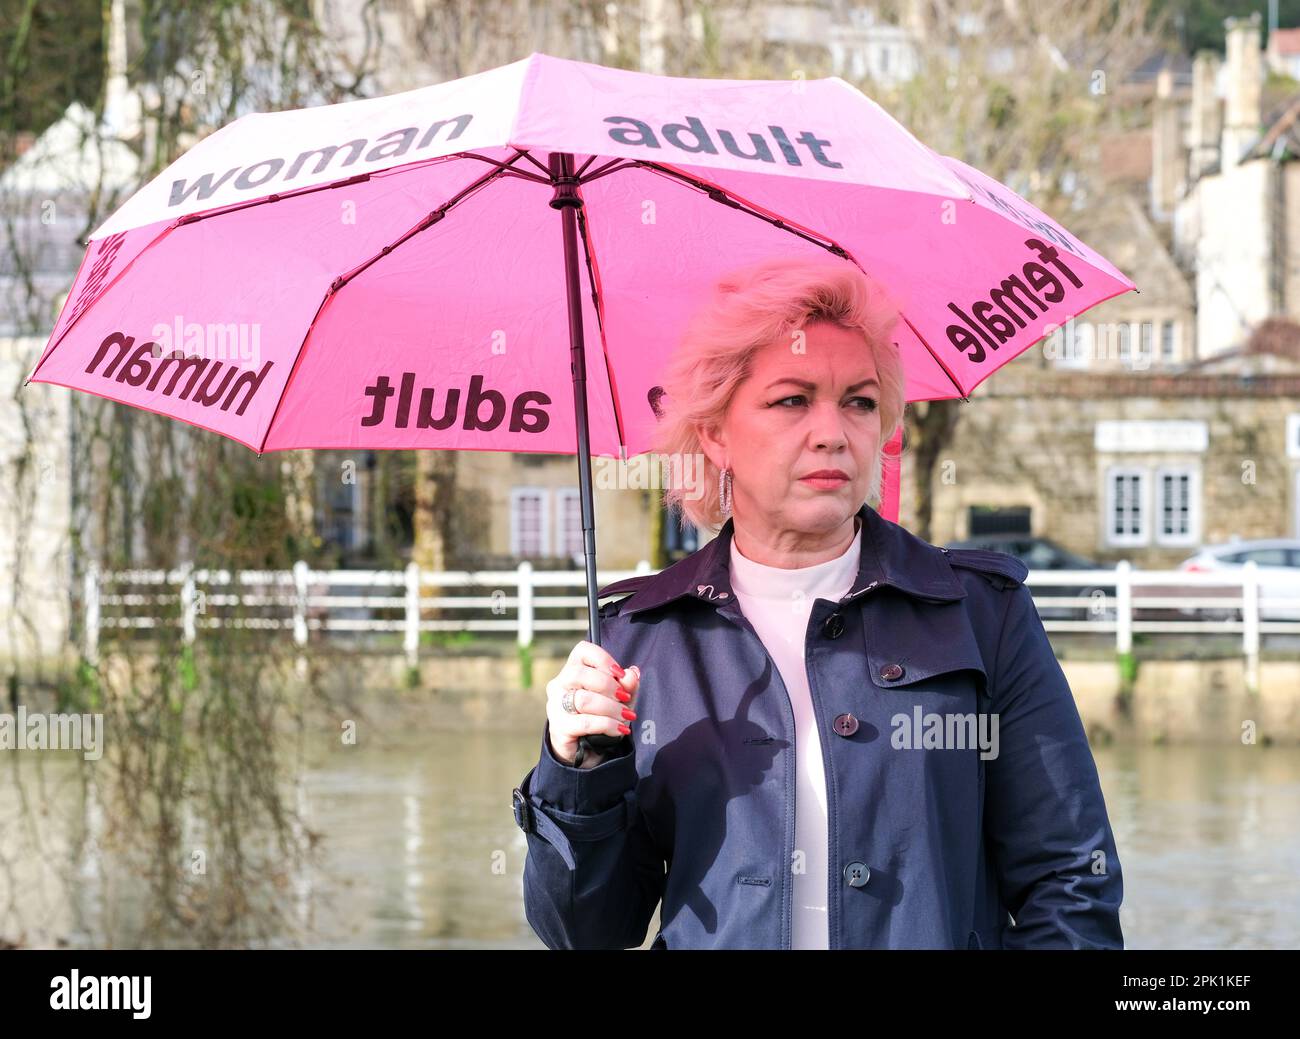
(618, 671)
(629, 715)
(624, 729)
(624, 695)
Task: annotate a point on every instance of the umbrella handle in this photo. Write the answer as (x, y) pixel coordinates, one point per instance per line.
(597, 742)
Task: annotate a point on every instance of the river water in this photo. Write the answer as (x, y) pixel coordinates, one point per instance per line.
(420, 850)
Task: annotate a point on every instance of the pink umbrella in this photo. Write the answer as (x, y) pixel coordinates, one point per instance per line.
(389, 273)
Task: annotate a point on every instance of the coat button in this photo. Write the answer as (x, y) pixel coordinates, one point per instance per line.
(846, 724)
(857, 873)
(834, 626)
(891, 672)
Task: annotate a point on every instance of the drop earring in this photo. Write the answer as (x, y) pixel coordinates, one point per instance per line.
(724, 491)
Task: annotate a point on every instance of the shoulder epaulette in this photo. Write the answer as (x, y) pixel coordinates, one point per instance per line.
(993, 565)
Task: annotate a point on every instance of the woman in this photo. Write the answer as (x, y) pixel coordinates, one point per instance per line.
(835, 735)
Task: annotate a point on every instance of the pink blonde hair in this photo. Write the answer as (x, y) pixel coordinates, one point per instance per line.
(751, 308)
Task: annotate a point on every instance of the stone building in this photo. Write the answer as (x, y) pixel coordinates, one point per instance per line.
(1144, 466)
(1169, 418)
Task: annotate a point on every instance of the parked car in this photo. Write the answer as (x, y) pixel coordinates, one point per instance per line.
(1278, 564)
(1044, 554)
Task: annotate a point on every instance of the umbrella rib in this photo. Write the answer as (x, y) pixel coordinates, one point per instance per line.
(610, 167)
(961, 394)
(529, 157)
(49, 350)
(235, 207)
(721, 196)
(598, 303)
(190, 218)
(501, 169)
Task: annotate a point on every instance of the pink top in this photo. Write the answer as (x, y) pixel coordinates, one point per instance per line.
(777, 603)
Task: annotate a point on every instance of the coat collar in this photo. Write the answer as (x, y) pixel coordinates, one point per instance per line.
(890, 555)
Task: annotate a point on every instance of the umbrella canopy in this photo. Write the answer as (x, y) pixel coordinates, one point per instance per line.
(390, 273)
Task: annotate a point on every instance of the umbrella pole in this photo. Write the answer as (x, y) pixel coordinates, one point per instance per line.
(567, 201)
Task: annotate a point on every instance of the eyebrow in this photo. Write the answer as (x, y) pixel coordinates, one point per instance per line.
(802, 384)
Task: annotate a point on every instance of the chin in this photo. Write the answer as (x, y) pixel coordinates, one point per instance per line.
(827, 511)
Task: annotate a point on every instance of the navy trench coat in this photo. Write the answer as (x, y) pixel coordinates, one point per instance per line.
(931, 844)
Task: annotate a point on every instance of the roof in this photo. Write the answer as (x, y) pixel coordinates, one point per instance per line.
(1272, 346)
(1280, 128)
(1149, 68)
(1284, 42)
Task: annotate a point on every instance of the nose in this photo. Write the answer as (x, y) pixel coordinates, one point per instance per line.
(828, 427)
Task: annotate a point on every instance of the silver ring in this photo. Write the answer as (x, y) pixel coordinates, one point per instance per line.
(566, 701)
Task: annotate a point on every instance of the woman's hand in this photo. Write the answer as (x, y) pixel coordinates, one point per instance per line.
(602, 692)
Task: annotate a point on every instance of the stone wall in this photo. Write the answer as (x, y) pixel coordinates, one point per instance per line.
(1031, 441)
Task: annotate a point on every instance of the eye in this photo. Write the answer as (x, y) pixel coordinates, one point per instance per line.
(869, 405)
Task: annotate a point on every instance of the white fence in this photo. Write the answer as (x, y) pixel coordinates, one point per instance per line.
(306, 600)
(1122, 601)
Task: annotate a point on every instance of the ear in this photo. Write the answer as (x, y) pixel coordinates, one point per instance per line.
(714, 446)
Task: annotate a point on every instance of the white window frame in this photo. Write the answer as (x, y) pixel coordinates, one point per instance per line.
(1079, 339)
(516, 493)
(1193, 535)
(1144, 506)
(1296, 514)
(1293, 435)
(1125, 335)
(563, 496)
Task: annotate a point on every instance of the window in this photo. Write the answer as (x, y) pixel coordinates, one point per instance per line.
(1177, 506)
(1175, 519)
(1167, 341)
(984, 519)
(1126, 506)
(1258, 556)
(1122, 337)
(1293, 436)
(529, 535)
(568, 516)
(1077, 337)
